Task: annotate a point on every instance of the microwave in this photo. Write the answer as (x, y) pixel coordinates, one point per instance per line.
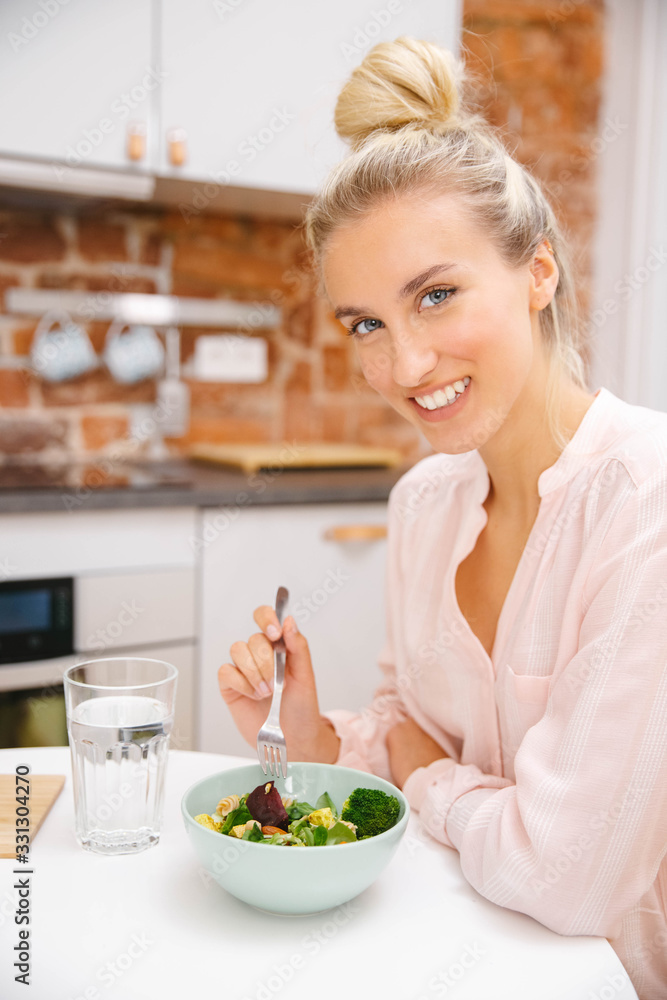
(36, 619)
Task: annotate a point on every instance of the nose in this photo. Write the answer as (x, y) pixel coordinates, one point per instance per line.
(414, 357)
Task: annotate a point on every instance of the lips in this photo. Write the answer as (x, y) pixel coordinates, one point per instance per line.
(444, 412)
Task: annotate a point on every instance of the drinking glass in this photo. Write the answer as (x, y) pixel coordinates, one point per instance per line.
(120, 712)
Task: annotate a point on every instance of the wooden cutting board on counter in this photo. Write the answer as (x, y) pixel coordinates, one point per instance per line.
(44, 790)
(325, 455)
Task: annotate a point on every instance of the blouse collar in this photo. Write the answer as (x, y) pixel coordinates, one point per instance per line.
(598, 428)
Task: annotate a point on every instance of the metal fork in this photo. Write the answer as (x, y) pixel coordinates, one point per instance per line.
(271, 747)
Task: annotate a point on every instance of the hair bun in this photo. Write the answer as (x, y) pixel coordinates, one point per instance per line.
(405, 82)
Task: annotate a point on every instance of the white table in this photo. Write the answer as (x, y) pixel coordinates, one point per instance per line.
(150, 927)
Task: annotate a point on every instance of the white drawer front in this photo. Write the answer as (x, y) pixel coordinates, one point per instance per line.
(122, 610)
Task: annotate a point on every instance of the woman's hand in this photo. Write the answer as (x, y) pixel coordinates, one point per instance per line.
(246, 683)
(409, 748)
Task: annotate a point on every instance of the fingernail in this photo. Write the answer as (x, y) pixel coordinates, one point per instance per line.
(273, 632)
(263, 689)
(291, 627)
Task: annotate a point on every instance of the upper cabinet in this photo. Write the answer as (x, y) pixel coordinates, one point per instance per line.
(250, 85)
(225, 92)
(76, 79)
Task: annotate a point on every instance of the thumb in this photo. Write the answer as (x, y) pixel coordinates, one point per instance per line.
(298, 653)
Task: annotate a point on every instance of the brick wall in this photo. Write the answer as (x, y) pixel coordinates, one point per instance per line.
(539, 66)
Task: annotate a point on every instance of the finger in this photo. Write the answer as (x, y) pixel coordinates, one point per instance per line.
(300, 664)
(233, 684)
(267, 619)
(263, 655)
(247, 665)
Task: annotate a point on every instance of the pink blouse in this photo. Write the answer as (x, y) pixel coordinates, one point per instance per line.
(554, 790)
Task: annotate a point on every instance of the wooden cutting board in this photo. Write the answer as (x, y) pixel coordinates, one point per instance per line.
(44, 790)
(253, 457)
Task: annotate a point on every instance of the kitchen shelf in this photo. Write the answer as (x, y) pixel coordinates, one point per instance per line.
(157, 310)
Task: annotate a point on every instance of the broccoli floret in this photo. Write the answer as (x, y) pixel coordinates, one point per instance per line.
(371, 811)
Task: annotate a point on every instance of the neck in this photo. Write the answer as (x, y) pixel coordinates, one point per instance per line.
(525, 446)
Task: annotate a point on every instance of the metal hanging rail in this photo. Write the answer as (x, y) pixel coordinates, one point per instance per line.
(155, 310)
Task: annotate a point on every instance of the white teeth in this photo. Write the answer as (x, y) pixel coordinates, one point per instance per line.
(443, 397)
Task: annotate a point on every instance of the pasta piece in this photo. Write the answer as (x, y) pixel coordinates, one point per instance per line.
(227, 805)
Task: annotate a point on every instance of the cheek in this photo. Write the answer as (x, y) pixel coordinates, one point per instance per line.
(375, 362)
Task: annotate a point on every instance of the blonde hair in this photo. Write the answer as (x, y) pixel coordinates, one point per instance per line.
(403, 112)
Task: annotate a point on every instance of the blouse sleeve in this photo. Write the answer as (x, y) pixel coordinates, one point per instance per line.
(363, 734)
(577, 840)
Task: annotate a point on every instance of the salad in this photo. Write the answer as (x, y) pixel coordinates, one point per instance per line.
(265, 817)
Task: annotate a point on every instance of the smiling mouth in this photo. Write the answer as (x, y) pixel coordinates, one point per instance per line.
(443, 397)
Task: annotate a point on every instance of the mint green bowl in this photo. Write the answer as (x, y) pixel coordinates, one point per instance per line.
(293, 880)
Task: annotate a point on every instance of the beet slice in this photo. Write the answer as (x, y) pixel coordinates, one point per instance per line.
(266, 806)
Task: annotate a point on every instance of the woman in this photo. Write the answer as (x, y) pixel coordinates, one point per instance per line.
(524, 706)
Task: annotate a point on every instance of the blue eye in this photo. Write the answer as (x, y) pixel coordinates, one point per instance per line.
(371, 324)
(437, 296)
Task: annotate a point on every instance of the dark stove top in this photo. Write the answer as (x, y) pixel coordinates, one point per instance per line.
(104, 475)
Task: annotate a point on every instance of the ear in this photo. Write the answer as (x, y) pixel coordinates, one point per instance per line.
(543, 277)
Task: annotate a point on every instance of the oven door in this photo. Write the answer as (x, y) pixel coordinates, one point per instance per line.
(32, 703)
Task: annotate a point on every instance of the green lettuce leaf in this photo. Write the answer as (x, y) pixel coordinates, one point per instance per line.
(234, 818)
(254, 833)
(320, 836)
(326, 802)
(340, 833)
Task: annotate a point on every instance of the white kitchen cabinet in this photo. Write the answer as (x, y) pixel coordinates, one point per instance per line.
(73, 77)
(336, 594)
(243, 91)
(253, 83)
(134, 574)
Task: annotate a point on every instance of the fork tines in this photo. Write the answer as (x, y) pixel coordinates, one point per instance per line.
(273, 760)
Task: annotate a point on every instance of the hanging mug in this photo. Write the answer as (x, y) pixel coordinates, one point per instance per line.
(61, 348)
(132, 355)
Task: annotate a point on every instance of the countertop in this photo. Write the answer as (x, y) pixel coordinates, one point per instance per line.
(199, 484)
(157, 924)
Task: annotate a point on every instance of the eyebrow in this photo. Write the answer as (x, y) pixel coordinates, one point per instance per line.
(409, 288)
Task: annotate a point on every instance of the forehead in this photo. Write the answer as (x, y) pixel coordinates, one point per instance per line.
(402, 235)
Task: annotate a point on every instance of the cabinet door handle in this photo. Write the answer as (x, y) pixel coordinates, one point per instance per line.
(355, 532)
(177, 143)
(136, 141)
